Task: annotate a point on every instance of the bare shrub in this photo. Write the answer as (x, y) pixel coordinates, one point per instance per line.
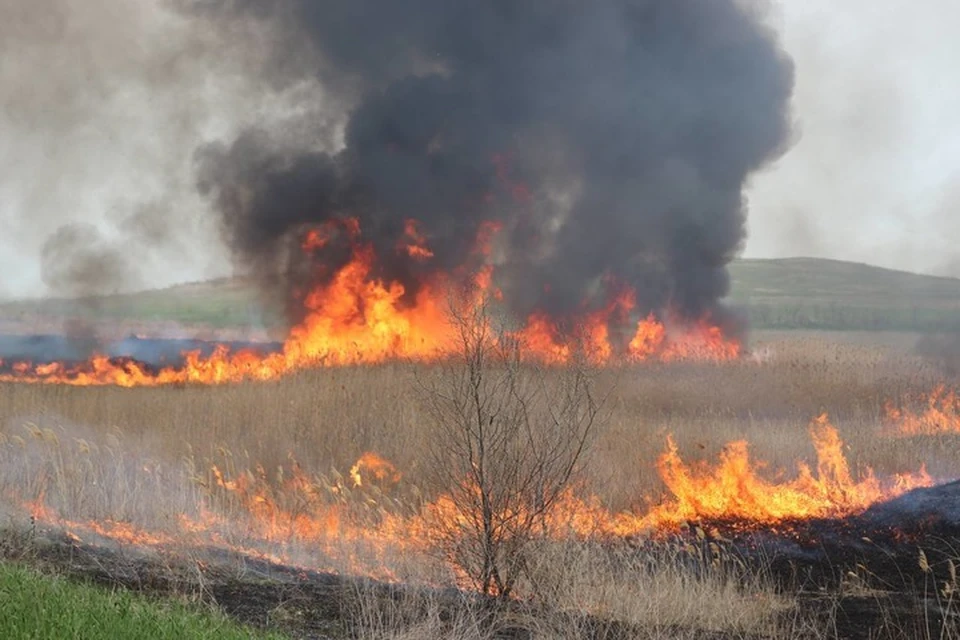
(510, 438)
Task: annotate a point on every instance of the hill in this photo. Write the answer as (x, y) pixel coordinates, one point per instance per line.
(791, 293)
(816, 293)
(225, 302)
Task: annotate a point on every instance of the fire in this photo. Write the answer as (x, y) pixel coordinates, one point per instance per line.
(360, 320)
(356, 317)
(379, 468)
(541, 337)
(363, 522)
(416, 244)
(938, 412)
(734, 490)
(652, 339)
(314, 240)
(703, 341)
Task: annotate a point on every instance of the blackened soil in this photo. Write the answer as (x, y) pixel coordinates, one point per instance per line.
(889, 573)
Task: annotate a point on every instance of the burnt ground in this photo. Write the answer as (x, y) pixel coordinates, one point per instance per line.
(306, 604)
(303, 604)
(888, 573)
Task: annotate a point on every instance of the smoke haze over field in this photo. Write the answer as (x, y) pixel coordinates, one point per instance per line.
(103, 105)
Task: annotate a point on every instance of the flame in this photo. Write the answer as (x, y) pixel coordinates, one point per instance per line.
(541, 338)
(355, 317)
(314, 240)
(380, 468)
(416, 243)
(702, 341)
(734, 489)
(938, 412)
(364, 524)
(649, 338)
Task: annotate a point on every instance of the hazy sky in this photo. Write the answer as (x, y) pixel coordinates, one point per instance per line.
(875, 173)
(102, 103)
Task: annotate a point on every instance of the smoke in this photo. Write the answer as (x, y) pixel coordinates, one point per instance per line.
(873, 176)
(153, 352)
(76, 258)
(610, 140)
(942, 351)
(102, 104)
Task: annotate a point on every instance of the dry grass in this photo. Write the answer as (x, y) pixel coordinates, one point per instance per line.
(669, 589)
(328, 418)
(589, 592)
(145, 455)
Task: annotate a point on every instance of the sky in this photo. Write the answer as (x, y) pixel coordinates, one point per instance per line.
(874, 175)
(102, 103)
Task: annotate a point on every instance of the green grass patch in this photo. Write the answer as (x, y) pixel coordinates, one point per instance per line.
(38, 606)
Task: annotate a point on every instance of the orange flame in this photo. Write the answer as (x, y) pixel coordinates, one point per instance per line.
(381, 469)
(734, 489)
(702, 341)
(362, 528)
(314, 240)
(357, 318)
(938, 412)
(416, 243)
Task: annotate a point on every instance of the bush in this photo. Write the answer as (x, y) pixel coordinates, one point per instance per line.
(510, 440)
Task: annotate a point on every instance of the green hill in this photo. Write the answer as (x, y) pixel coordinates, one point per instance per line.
(225, 302)
(815, 293)
(792, 293)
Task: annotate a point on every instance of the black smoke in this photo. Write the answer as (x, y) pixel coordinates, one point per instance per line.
(612, 139)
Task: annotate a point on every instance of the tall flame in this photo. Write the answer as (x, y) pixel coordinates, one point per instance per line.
(734, 490)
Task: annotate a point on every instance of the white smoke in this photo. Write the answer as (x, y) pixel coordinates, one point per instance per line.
(873, 177)
(102, 106)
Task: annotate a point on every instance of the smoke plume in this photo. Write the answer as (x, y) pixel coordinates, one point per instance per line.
(610, 141)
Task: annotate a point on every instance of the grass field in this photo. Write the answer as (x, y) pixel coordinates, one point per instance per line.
(144, 456)
(272, 471)
(797, 293)
(330, 417)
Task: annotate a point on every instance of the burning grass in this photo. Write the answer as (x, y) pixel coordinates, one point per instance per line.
(926, 414)
(735, 490)
(281, 471)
